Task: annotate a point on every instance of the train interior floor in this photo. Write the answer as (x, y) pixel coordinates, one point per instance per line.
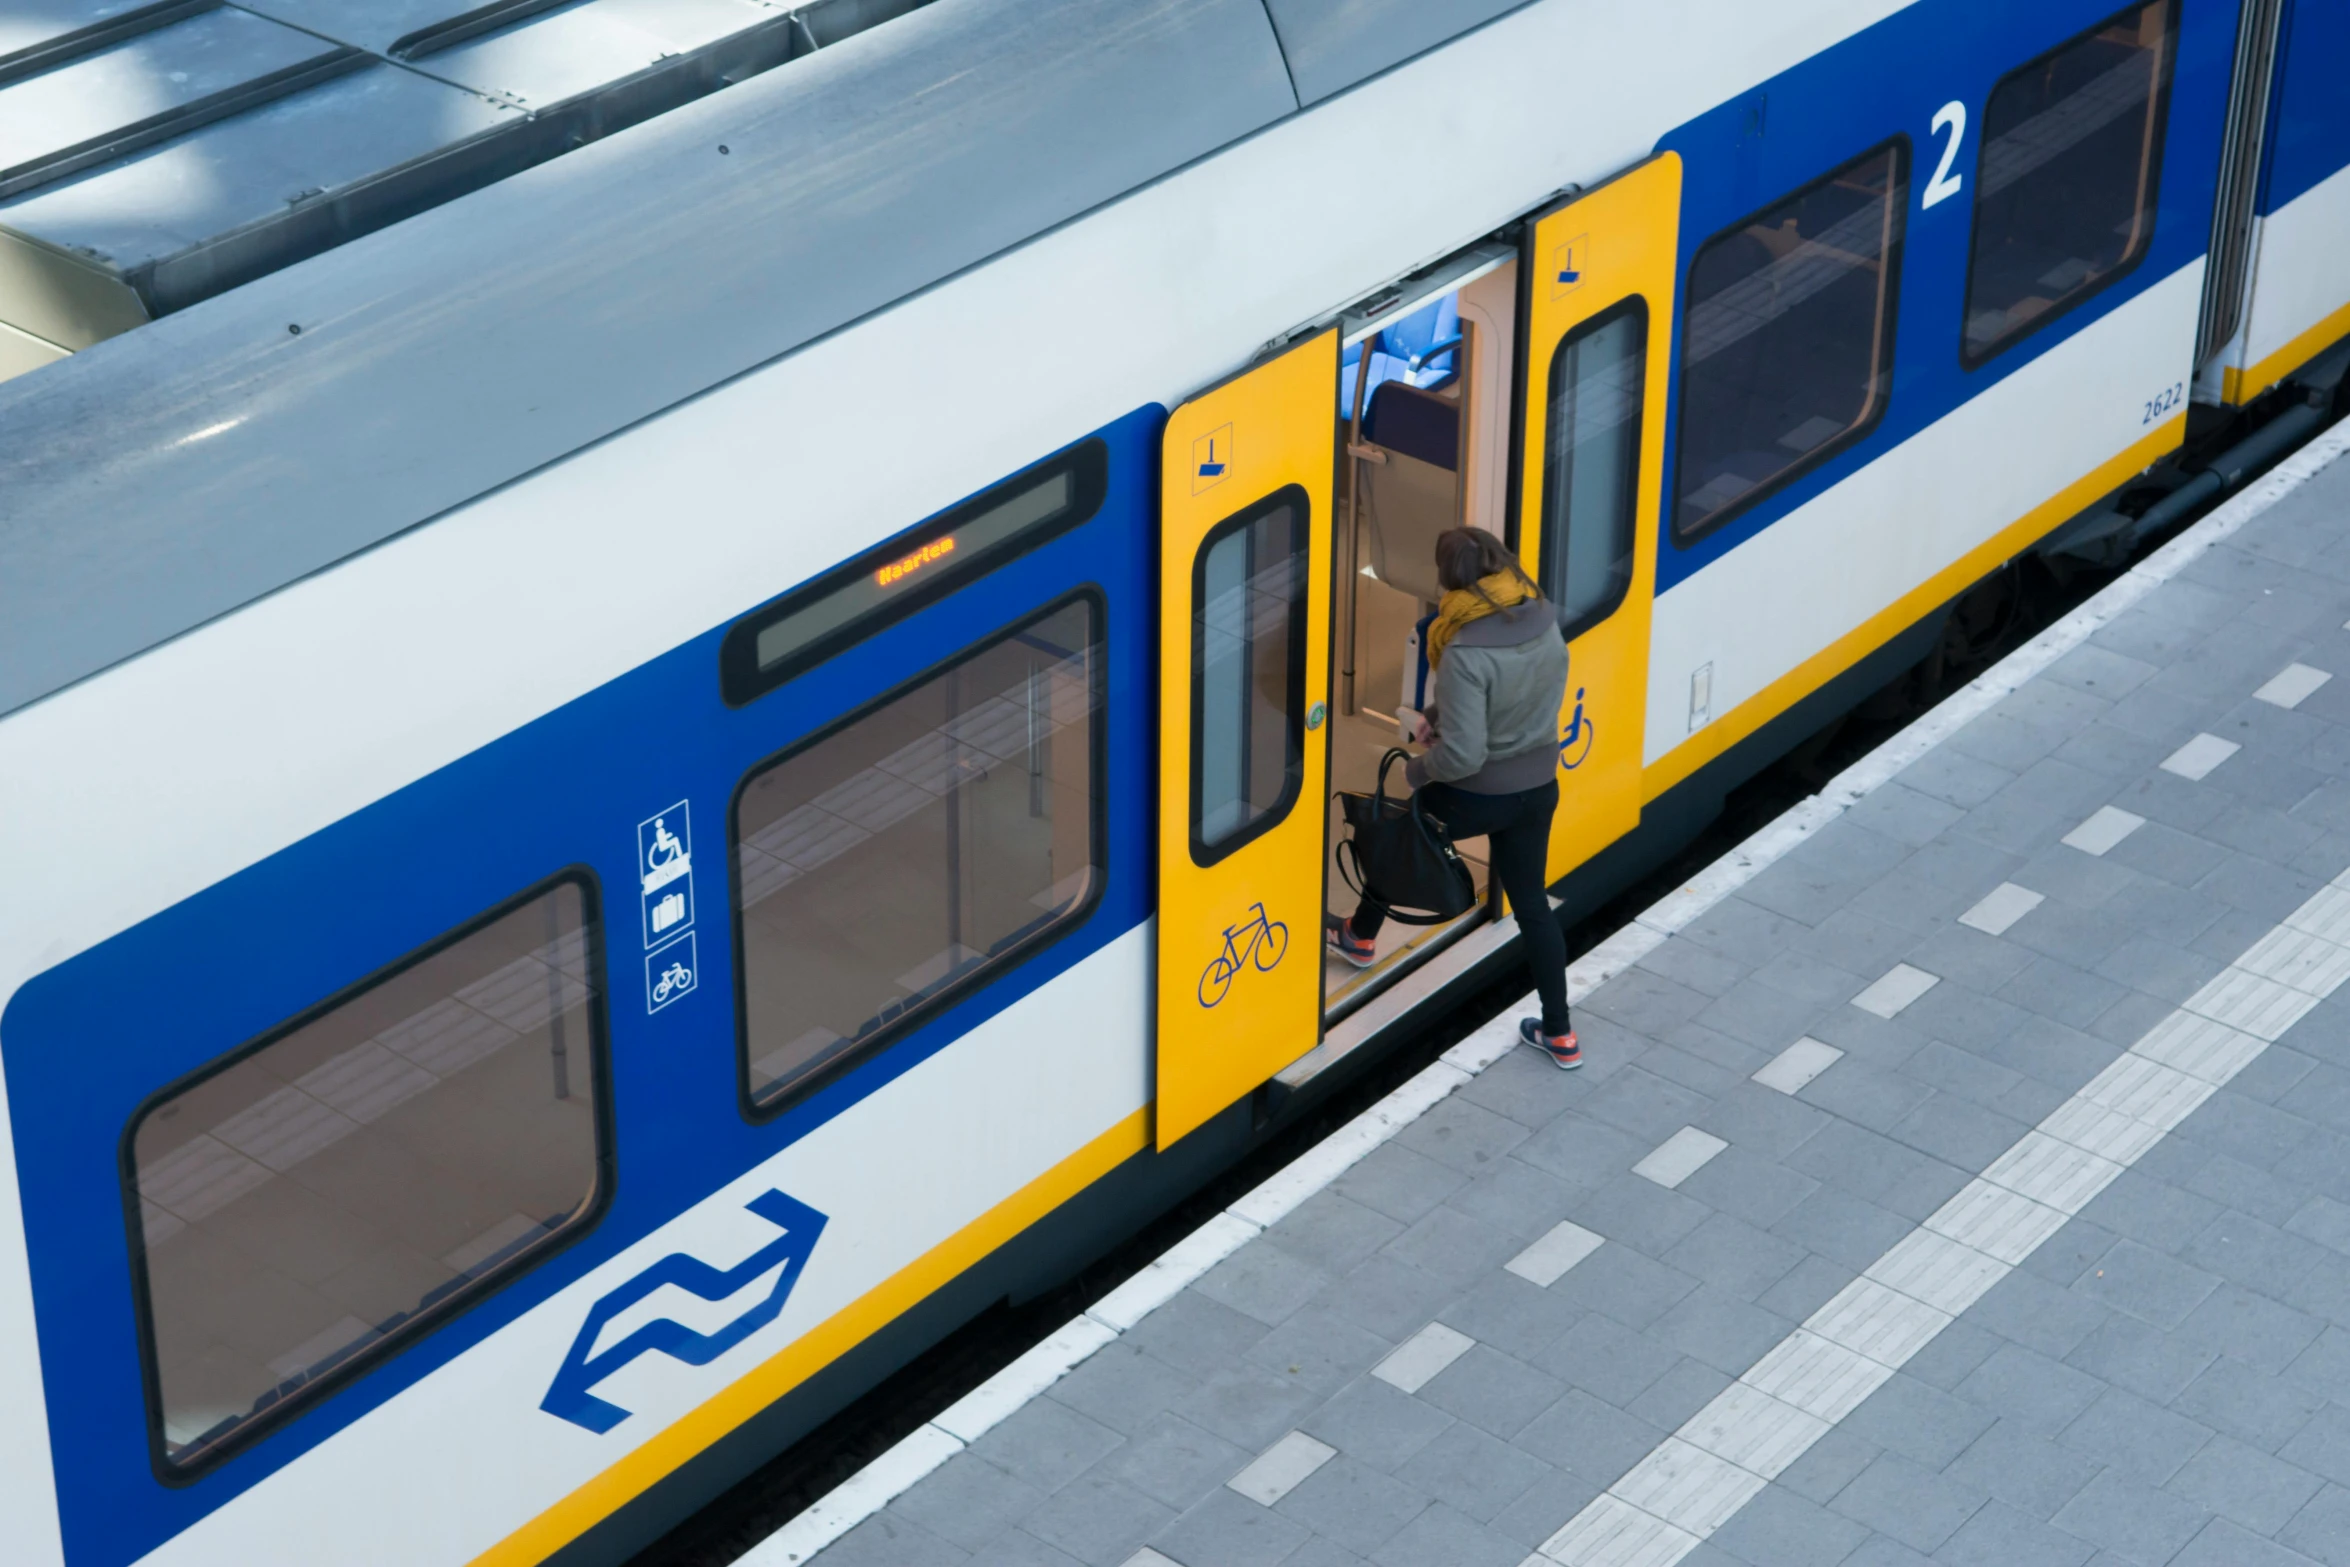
(1971, 1185)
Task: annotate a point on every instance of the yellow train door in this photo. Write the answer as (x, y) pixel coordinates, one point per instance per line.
(1597, 318)
(1244, 653)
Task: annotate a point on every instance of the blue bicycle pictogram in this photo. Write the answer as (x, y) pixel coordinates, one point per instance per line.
(1575, 742)
(1257, 939)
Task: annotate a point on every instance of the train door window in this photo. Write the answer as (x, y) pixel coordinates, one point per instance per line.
(309, 1202)
(918, 849)
(2072, 156)
(1591, 464)
(1787, 343)
(1248, 660)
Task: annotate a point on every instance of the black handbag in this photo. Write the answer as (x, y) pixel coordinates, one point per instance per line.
(1400, 858)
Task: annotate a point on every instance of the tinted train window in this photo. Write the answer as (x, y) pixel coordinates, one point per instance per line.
(2072, 154)
(1787, 348)
(1591, 464)
(918, 849)
(313, 1200)
(1248, 674)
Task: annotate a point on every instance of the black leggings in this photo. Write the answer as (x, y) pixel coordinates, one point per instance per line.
(1516, 828)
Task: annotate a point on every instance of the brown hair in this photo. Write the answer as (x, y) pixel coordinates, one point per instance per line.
(1466, 556)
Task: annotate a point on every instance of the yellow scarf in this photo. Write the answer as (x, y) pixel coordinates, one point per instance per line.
(1462, 605)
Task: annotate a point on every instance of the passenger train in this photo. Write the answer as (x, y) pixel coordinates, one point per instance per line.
(672, 674)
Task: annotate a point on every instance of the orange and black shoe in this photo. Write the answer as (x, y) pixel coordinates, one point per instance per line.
(1564, 1052)
(1351, 948)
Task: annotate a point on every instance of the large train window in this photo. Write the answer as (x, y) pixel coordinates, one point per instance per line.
(310, 1202)
(2072, 156)
(917, 849)
(1591, 463)
(1248, 674)
(1787, 339)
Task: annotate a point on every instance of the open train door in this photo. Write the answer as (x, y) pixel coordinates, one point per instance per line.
(1597, 304)
(1244, 654)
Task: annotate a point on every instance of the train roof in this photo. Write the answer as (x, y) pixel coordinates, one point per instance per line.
(299, 274)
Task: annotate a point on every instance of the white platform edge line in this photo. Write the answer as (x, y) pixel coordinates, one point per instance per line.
(879, 1483)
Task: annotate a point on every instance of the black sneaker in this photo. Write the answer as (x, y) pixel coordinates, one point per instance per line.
(1564, 1052)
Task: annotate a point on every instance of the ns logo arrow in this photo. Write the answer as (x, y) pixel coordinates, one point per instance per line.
(571, 1398)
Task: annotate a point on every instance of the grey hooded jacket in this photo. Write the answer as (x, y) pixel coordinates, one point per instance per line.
(1499, 688)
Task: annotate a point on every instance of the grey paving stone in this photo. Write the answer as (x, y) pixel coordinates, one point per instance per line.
(2170, 854)
(2243, 1128)
(1746, 1186)
(2135, 1437)
(2324, 1292)
(1607, 1360)
(1905, 815)
(1228, 1530)
(2323, 1445)
(1767, 1016)
(1263, 1281)
(2233, 1183)
(1639, 1215)
(2074, 1251)
(2251, 1405)
(2100, 671)
(1719, 1329)
(1914, 1505)
(1953, 1354)
(2029, 1389)
(1440, 1534)
(1643, 1106)
(1716, 1049)
(2151, 1211)
(2222, 1544)
(1781, 1529)
(2055, 1054)
(1955, 776)
(1018, 1548)
(2132, 1520)
(1874, 1097)
(2325, 1364)
(1375, 1424)
(1869, 934)
(1246, 1403)
(1919, 1422)
(2023, 1469)
(1333, 1231)
(2258, 1255)
(1387, 1296)
(1589, 1439)
(1581, 1152)
(2000, 1536)
(968, 1501)
(1877, 1551)
(1320, 1349)
(1828, 1465)
(1512, 1315)
(2141, 1358)
(1808, 1286)
(2155, 968)
(1957, 1131)
(2322, 1529)
(1494, 1392)
(1195, 1334)
(1699, 968)
(1473, 1473)
(1173, 1461)
(1733, 1256)
(889, 1540)
(1121, 1387)
(1843, 1228)
(1671, 1399)
(2250, 1328)
(1359, 1507)
(2277, 1071)
(1452, 1246)
(2146, 1284)
(2321, 1219)
(1693, 1072)
(1645, 1003)
(1400, 1182)
(1765, 1123)
(1865, 1164)
(1540, 1513)
(2060, 992)
(1462, 1134)
(1046, 1443)
(2243, 1483)
(1098, 1519)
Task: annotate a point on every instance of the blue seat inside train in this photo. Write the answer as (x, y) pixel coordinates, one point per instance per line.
(1422, 350)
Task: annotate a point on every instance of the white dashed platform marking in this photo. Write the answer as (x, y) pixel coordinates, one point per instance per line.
(1794, 1067)
(1420, 1359)
(2195, 760)
(2292, 685)
(1679, 1156)
(1900, 986)
(1548, 1259)
(2109, 826)
(1281, 1468)
(2006, 903)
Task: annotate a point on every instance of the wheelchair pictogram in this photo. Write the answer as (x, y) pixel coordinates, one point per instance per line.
(1575, 741)
(1257, 939)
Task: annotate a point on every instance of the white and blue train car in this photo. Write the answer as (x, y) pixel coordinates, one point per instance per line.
(671, 675)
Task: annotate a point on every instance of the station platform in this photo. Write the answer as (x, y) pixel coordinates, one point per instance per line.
(1960, 1173)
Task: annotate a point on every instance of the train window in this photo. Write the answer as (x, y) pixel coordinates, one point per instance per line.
(1591, 463)
(915, 850)
(1248, 674)
(1787, 342)
(310, 1202)
(889, 582)
(2072, 156)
